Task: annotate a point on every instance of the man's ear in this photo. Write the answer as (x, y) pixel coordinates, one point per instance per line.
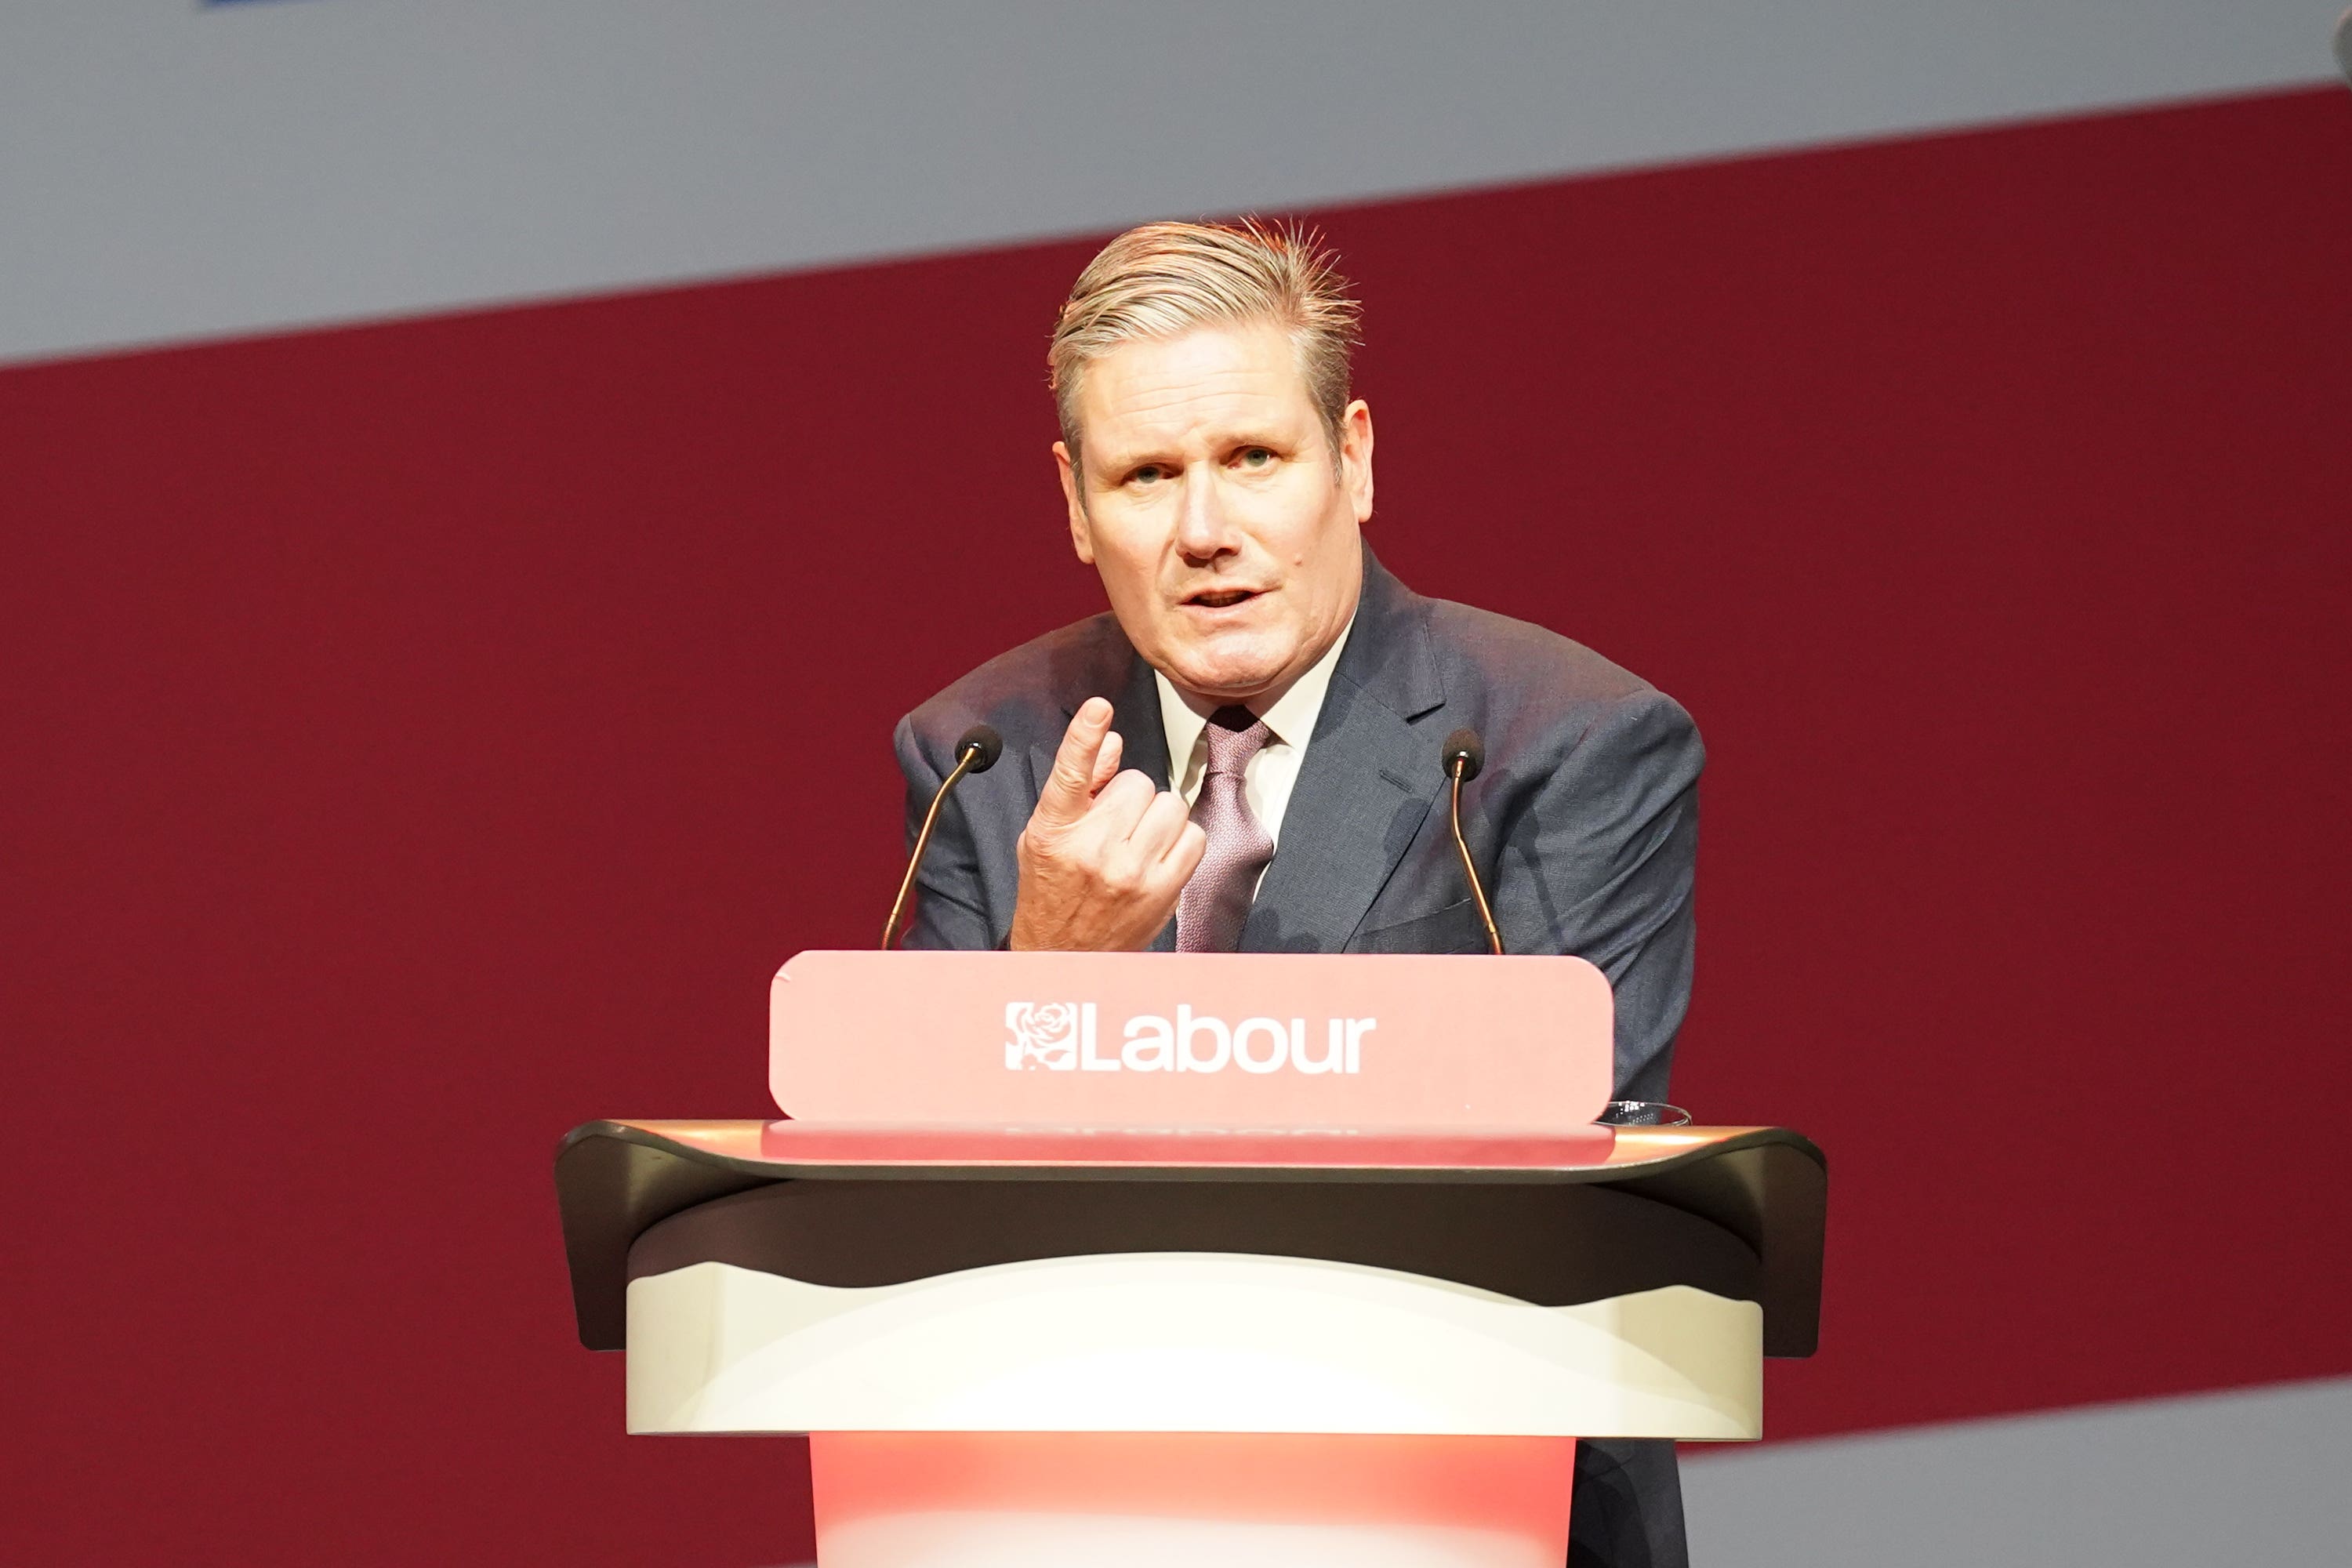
(1355, 456)
(1081, 537)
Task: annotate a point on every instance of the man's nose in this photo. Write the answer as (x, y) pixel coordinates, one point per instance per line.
(1204, 529)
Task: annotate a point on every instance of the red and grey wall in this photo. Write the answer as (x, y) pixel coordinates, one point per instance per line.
(481, 479)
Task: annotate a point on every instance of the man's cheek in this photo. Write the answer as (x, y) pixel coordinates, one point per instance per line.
(1284, 511)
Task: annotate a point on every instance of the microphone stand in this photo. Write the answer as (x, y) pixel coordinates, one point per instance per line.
(1464, 755)
(975, 753)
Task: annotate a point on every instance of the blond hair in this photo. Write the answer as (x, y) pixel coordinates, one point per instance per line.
(1163, 280)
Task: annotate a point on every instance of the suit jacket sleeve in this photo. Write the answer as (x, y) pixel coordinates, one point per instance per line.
(1599, 861)
(951, 905)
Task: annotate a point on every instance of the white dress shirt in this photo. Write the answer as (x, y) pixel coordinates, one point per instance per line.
(1268, 782)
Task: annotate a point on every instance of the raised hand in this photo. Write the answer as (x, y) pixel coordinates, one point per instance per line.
(1105, 853)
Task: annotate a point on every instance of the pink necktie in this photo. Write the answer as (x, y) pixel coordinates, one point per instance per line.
(1216, 901)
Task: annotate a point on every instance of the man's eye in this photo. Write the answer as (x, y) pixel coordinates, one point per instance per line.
(1255, 457)
(1149, 474)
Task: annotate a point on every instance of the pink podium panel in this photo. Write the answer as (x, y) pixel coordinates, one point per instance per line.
(1045, 1499)
(1272, 1041)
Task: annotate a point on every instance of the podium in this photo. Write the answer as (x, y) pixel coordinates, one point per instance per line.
(1043, 1345)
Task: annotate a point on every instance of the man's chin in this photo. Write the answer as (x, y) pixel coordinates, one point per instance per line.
(1226, 680)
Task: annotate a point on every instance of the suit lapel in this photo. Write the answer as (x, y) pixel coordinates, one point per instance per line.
(1366, 783)
(1136, 716)
(1111, 669)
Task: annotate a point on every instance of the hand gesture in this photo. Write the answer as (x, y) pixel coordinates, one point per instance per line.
(1105, 853)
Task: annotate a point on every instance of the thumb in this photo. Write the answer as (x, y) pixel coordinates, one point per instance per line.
(1069, 787)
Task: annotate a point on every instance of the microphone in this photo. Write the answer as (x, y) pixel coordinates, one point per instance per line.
(1464, 757)
(976, 753)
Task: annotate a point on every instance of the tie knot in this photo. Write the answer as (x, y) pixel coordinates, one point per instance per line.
(1235, 735)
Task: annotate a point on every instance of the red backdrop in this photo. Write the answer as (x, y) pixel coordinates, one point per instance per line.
(424, 738)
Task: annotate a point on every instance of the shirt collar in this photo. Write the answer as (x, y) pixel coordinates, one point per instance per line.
(1291, 716)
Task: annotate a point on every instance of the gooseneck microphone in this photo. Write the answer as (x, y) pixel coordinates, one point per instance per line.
(1464, 755)
(976, 753)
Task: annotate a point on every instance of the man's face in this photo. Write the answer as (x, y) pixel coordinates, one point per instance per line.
(1226, 537)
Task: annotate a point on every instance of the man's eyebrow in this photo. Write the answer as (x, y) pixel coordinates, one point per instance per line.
(1118, 463)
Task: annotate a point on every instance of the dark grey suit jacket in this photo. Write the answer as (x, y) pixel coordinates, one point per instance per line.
(1584, 822)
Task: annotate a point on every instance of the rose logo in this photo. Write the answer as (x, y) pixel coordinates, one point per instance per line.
(1042, 1035)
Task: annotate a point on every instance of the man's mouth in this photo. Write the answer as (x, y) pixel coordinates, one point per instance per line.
(1221, 598)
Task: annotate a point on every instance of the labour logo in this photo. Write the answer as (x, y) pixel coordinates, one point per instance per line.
(1041, 1035)
(1062, 1036)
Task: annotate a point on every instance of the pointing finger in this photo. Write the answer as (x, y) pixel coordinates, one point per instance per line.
(1068, 788)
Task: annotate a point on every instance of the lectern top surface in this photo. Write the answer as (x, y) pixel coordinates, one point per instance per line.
(807, 1148)
(1765, 1185)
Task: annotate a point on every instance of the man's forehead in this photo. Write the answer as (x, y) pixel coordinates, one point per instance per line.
(1210, 382)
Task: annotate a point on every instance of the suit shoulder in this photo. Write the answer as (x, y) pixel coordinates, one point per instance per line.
(1534, 691)
(1034, 686)
(1509, 653)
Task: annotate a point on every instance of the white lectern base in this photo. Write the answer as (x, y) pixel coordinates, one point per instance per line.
(1185, 1342)
(1055, 1499)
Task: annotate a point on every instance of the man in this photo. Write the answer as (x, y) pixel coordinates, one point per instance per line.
(1243, 755)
